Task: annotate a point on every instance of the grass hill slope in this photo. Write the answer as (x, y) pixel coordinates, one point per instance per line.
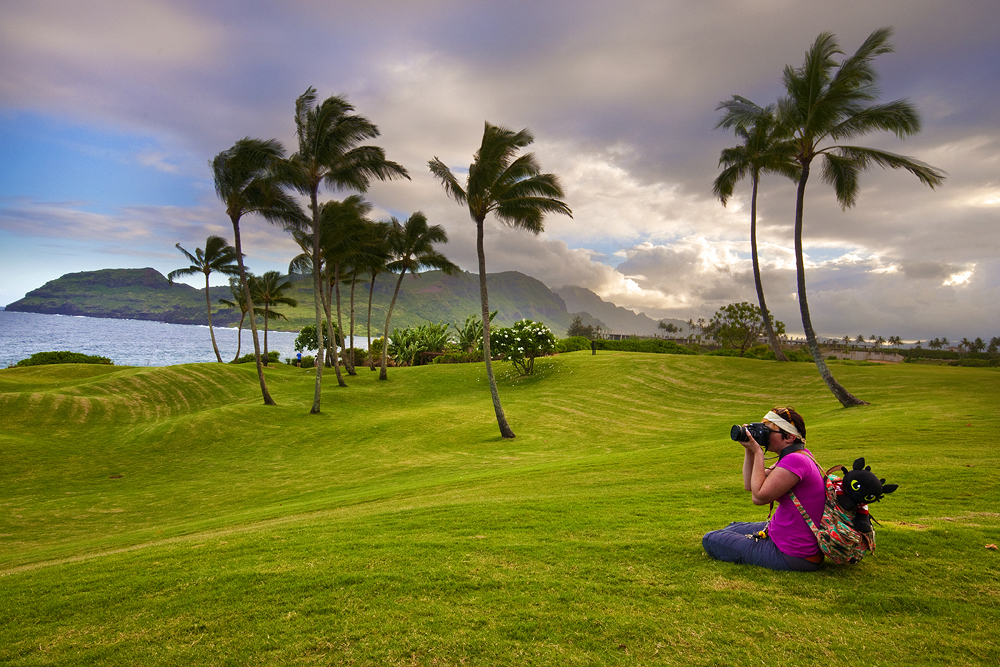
(165, 516)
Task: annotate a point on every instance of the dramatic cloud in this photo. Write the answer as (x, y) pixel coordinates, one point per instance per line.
(111, 111)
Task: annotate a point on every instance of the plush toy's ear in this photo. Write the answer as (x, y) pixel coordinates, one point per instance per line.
(859, 464)
(889, 488)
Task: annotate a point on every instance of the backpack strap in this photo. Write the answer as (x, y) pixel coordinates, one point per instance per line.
(805, 515)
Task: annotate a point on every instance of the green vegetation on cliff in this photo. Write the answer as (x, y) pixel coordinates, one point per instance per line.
(145, 294)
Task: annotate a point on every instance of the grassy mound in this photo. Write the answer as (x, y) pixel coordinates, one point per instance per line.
(165, 516)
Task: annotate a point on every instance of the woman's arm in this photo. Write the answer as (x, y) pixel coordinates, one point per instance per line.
(765, 485)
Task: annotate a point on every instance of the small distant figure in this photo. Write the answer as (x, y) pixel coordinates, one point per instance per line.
(298, 361)
(593, 347)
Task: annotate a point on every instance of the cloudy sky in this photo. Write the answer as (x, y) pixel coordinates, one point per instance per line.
(110, 111)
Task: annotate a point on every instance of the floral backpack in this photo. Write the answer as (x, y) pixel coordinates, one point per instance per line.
(845, 532)
(839, 540)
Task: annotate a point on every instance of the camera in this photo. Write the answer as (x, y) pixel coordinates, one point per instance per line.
(758, 430)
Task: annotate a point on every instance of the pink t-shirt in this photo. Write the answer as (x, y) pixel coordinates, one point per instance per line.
(788, 529)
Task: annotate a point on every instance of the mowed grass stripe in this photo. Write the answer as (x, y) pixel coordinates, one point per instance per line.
(398, 528)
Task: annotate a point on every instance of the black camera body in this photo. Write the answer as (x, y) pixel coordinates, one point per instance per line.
(758, 430)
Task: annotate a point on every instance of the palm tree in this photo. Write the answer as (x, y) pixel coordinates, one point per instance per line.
(378, 259)
(412, 245)
(763, 150)
(346, 240)
(329, 154)
(218, 256)
(269, 289)
(239, 301)
(245, 182)
(825, 103)
(513, 189)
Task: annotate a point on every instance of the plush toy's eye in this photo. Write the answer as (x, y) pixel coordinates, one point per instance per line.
(855, 485)
(871, 499)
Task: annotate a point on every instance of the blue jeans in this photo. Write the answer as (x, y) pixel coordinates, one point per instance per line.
(735, 544)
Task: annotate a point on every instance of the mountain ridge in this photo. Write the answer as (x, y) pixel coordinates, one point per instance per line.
(145, 294)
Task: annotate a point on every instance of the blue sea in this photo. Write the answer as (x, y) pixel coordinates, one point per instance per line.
(127, 342)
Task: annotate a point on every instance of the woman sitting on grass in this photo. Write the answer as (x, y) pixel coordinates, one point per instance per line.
(786, 542)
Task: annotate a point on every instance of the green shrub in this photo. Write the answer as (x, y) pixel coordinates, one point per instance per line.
(360, 356)
(459, 358)
(273, 356)
(656, 345)
(522, 343)
(974, 363)
(63, 357)
(573, 343)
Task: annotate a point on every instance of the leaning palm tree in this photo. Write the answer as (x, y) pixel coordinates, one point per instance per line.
(245, 182)
(763, 150)
(239, 301)
(269, 290)
(218, 256)
(330, 154)
(825, 104)
(513, 189)
(412, 246)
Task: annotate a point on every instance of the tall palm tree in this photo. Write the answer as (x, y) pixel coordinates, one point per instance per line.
(269, 290)
(246, 183)
(376, 263)
(512, 188)
(763, 150)
(826, 103)
(330, 154)
(218, 256)
(412, 246)
(239, 301)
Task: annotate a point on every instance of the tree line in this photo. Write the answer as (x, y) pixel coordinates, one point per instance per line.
(340, 243)
(827, 103)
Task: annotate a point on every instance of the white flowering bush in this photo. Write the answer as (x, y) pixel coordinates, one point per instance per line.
(521, 343)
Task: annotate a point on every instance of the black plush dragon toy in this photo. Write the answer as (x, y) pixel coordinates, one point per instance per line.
(859, 487)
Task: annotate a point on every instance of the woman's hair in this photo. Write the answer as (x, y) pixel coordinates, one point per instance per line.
(794, 417)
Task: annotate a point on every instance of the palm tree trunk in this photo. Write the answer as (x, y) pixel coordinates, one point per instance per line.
(371, 291)
(334, 360)
(340, 326)
(505, 429)
(771, 337)
(318, 298)
(239, 337)
(264, 357)
(382, 374)
(211, 331)
(349, 357)
(845, 397)
(253, 324)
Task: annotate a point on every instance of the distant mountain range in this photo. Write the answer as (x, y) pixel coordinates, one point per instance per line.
(616, 319)
(145, 294)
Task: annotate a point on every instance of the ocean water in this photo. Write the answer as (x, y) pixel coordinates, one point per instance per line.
(127, 342)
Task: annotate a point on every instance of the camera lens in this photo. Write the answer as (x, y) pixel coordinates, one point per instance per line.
(737, 433)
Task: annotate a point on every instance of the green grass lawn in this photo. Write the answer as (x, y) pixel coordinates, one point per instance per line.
(165, 516)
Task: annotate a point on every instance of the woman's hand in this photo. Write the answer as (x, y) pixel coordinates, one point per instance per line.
(749, 444)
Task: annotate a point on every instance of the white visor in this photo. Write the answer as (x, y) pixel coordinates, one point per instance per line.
(783, 424)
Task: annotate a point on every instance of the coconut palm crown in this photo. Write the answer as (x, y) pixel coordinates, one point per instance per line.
(513, 189)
